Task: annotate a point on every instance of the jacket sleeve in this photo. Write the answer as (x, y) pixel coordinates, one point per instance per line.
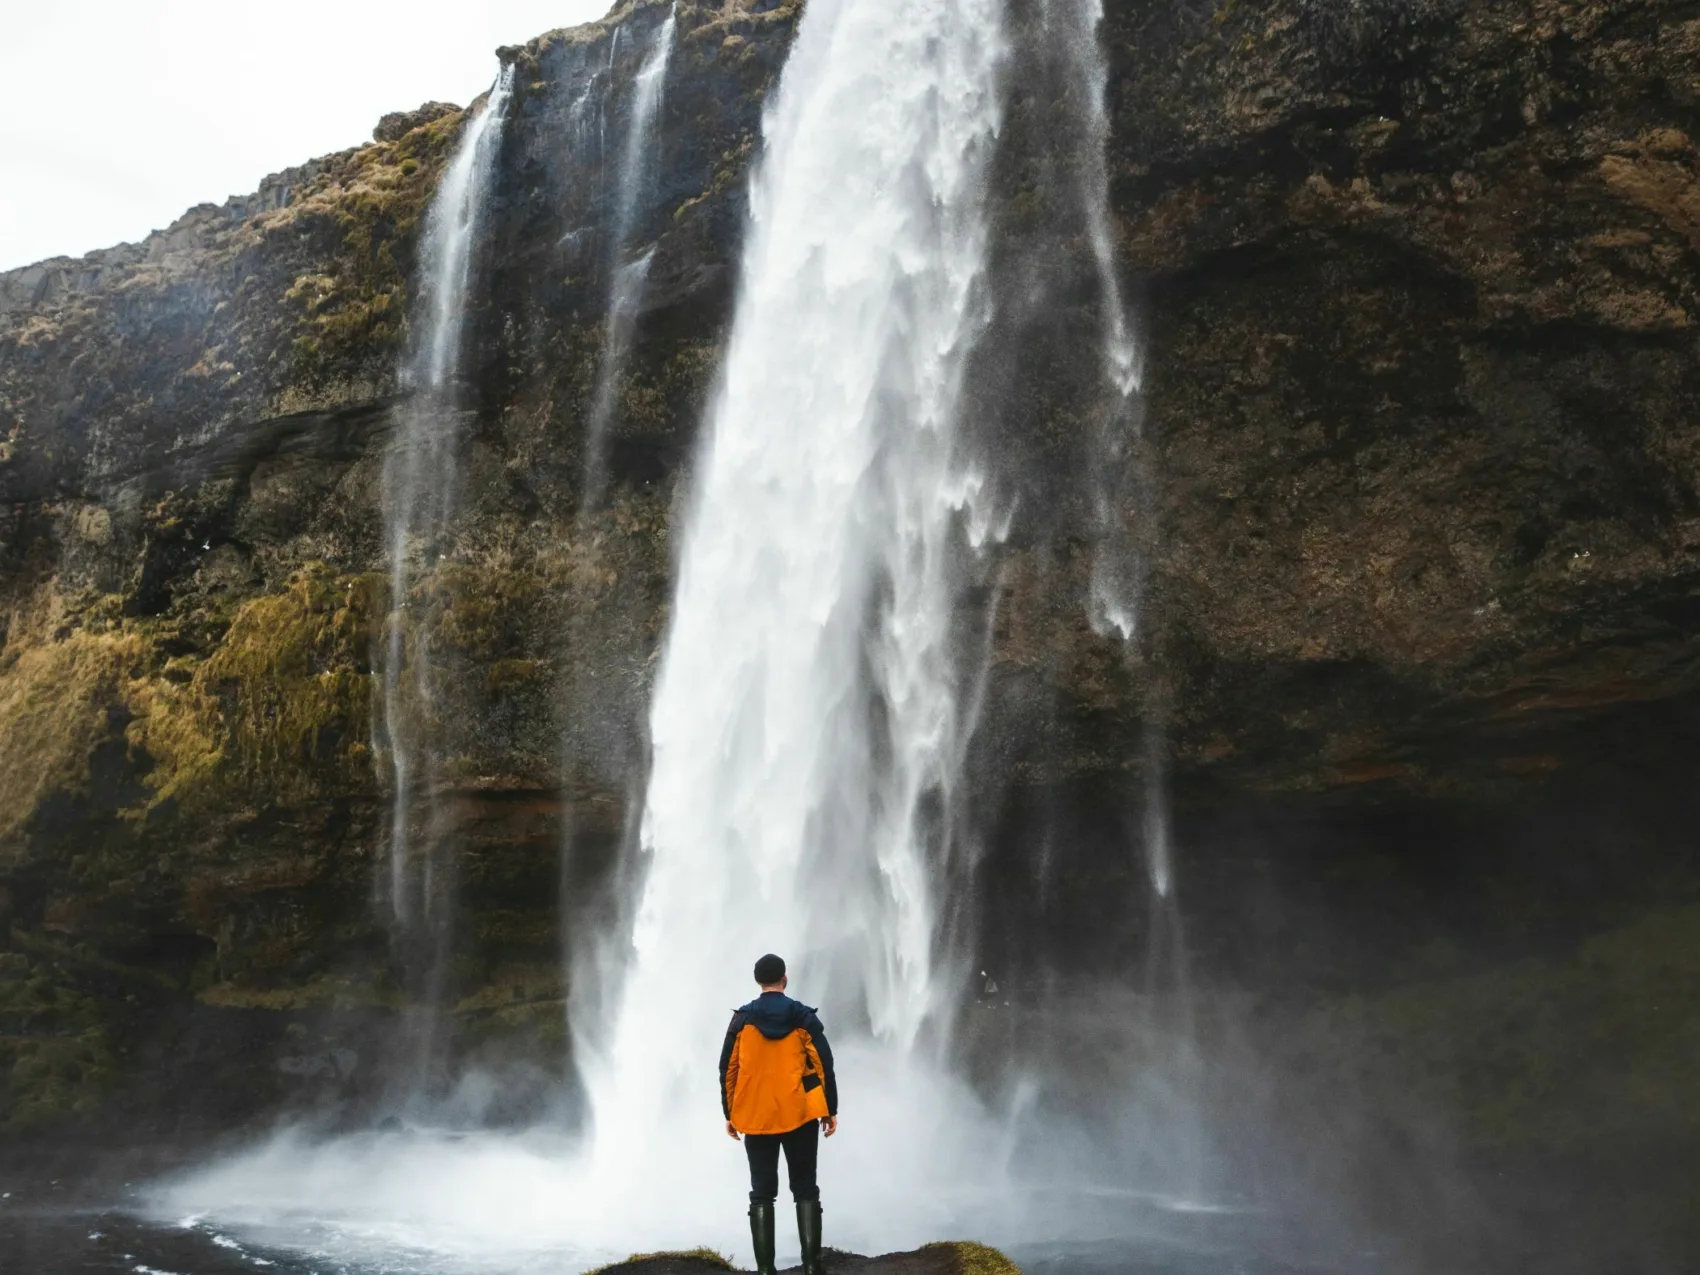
(729, 1065)
(812, 1025)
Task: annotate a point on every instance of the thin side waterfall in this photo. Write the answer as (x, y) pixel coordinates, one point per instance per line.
(1118, 568)
(1118, 579)
(419, 492)
(1171, 1065)
(626, 278)
(807, 717)
(1116, 571)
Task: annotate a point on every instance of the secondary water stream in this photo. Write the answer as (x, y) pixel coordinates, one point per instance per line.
(420, 488)
(626, 279)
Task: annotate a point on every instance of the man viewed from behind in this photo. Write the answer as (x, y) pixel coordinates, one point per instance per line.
(778, 1090)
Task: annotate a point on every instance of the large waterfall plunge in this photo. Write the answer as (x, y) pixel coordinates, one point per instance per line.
(806, 723)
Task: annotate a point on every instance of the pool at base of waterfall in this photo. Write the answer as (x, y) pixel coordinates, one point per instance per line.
(94, 1224)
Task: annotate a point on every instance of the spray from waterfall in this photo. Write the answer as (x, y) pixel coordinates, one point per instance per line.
(419, 493)
(627, 279)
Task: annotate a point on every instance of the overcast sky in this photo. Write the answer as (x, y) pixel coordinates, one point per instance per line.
(117, 115)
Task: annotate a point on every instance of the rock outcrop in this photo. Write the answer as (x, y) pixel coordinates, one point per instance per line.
(955, 1258)
(1418, 490)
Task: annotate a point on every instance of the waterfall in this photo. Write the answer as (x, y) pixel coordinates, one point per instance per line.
(626, 279)
(1117, 579)
(419, 492)
(1168, 1064)
(806, 718)
(1116, 590)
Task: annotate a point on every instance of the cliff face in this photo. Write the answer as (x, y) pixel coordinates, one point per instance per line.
(1416, 485)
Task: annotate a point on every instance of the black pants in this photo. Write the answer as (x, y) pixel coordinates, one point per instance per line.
(802, 1146)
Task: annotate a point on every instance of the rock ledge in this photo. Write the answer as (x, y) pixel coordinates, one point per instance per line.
(961, 1257)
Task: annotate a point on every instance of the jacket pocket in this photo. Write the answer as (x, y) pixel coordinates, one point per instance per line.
(811, 1082)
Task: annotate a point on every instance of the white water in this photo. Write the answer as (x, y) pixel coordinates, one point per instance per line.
(419, 481)
(1166, 1022)
(1116, 571)
(626, 279)
(805, 710)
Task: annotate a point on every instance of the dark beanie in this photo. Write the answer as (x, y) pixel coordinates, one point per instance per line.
(769, 970)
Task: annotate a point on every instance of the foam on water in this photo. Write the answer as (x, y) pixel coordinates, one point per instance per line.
(920, 1160)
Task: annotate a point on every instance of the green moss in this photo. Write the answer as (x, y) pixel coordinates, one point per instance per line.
(55, 1058)
(337, 992)
(281, 706)
(277, 708)
(73, 956)
(478, 608)
(57, 701)
(651, 400)
(374, 202)
(507, 676)
(975, 1259)
(707, 1256)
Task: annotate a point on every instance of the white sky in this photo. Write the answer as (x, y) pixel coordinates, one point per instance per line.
(117, 115)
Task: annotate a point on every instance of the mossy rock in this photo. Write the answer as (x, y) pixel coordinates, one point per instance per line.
(276, 710)
(56, 1061)
(970, 1258)
(955, 1257)
(680, 1263)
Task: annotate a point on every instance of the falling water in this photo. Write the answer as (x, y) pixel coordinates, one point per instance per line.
(805, 721)
(1171, 1063)
(1118, 568)
(1116, 579)
(419, 490)
(626, 278)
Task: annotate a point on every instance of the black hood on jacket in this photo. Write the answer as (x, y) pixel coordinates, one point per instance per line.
(775, 1015)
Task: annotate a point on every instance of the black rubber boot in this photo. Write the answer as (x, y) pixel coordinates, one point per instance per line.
(808, 1235)
(761, 1235)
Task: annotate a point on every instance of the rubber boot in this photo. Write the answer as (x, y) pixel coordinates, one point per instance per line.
(808, 1235)
(761, 1235)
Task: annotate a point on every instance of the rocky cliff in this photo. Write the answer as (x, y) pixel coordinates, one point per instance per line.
(1417, 487)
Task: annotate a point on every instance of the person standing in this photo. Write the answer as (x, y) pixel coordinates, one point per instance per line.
(778, 1091)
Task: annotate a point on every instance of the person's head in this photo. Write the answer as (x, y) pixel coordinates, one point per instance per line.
(770, 974)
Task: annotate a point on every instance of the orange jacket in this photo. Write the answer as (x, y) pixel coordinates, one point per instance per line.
(776, 1070)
